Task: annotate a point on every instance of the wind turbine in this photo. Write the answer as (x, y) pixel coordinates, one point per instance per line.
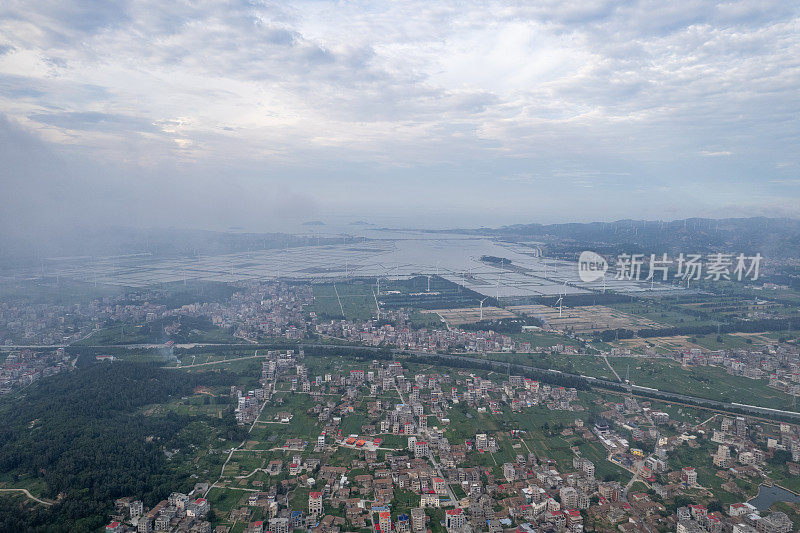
(558, 303)
(429, 283)
(482, 306)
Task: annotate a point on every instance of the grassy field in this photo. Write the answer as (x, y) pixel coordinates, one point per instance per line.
(732, 306)
(223, 500)
(725, 341)
(664, 374)
(425, 320)
(248, 370)
(704, 382)
(302, 425)
(541, 339)
(588, 365)
(660, 313)
(189, 330)
(357, 300)
(35, 486)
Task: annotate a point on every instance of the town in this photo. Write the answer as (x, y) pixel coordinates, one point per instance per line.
(441, 449)
(256, 312)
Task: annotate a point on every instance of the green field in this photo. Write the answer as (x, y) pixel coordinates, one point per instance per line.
(702, 381)
(661, 313)
(190, 330)
(664, 374)
(720, 342)
(425, 320)
(357, 301)
(542, 339)
(587, 365)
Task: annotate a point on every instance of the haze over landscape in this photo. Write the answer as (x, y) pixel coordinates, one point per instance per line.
(319, 266)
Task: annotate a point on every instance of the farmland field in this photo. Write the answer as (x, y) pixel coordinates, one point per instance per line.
(702, 381)
(470, 315)
(585, 319)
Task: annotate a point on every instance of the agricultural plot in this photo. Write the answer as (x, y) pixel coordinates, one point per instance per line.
(727, 341)
(189, 330)
(662, 313)
(215, 404)
(702, 381)
(301, 425)
(470, 315)
(585, 319)
(421, 319)
(587, 365)
(353, 301)
(662, 345)
(539, 338)
(736, 306)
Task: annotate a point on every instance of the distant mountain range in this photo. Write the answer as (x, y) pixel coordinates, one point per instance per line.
(773, 237)
(776, 237)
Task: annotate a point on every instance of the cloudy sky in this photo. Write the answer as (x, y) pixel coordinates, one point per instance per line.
(259, 114)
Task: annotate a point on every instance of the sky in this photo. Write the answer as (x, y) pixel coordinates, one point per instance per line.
(260, 115)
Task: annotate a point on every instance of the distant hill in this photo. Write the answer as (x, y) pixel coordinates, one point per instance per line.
(775, 237)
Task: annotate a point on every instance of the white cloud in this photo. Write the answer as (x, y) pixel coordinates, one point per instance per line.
(620, 90)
